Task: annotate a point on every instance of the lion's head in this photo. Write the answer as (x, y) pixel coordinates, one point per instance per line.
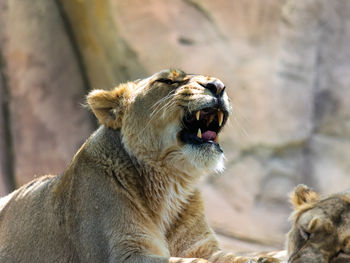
(321, 227)
(171, 117)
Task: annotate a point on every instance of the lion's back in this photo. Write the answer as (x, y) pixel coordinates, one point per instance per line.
(27, 220)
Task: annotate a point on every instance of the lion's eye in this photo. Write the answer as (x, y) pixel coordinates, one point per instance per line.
(166, 81)
(304, 234)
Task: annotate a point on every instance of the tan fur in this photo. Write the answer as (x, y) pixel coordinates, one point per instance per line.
(129, 194)
(303, 195)
(321, 227)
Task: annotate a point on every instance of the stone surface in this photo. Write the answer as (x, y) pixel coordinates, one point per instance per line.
(5, 168)
(48, 121)
(7, 182)
(332, 107)
(3, 187)
(330, 163)
(106, 57)
(230, 199)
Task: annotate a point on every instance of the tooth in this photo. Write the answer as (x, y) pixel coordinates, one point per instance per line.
(198, 115)
(199, 133)
(220, 117)
(211, 118)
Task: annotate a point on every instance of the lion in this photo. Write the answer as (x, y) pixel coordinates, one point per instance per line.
(130, 192)
(321, 227)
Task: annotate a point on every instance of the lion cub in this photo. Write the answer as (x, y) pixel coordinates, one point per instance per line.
(321, 227)
(129, 194)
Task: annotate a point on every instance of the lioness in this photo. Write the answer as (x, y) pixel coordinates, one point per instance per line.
(321, 227)
(129, 194)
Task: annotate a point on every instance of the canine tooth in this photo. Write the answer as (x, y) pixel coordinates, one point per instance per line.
(211, 118)
(220, 117)
(198, 113)
(199, 133)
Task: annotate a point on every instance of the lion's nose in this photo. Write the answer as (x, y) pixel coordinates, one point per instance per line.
(217, 88)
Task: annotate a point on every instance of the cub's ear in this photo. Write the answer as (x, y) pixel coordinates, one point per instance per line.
(303, 195)
(109, 105)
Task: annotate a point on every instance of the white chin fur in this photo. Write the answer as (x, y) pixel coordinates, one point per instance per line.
(206, 158)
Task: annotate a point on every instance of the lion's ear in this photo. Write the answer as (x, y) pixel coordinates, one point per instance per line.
(303, 195)
(109, 106)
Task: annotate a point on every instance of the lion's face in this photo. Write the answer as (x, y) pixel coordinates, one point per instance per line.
(171, 116)
(321, 228)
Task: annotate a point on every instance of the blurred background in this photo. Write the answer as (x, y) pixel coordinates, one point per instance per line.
(286, 65)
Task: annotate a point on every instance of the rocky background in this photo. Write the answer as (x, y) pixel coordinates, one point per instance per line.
(286, 65)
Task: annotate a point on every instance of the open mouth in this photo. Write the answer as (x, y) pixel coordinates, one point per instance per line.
(203, 126)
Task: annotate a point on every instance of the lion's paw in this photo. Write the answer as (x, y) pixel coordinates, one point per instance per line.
(268, 260)
(264, 260)
(187, 260)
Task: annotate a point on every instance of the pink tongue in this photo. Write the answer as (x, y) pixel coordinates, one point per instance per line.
(209, 136)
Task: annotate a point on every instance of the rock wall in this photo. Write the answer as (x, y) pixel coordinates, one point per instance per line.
(47, 121)
(286, 68)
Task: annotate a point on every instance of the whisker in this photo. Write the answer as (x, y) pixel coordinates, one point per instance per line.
(169, 97)
(158, 103)
(238, 123)
(170, 94)
(157, 109)
(169, 108)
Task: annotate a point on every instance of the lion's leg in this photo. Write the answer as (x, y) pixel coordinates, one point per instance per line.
(159, 259)
(193, 238)
(223, 257)
(187, 260)
(220, 257)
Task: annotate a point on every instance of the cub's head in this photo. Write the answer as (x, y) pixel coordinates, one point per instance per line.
(321, 228)
(171, 117)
